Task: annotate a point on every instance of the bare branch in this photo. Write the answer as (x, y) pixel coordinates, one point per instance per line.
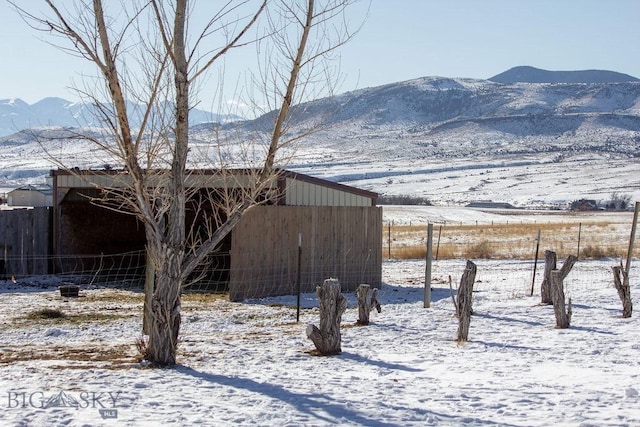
(233, 44)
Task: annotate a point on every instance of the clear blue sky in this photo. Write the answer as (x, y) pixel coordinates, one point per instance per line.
(401, 40)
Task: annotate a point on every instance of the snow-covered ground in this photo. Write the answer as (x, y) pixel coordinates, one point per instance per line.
(249, 363)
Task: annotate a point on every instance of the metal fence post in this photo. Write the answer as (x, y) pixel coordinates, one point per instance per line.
(427, 279)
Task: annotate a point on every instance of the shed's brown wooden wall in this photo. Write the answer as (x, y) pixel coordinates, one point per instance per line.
(344, 242)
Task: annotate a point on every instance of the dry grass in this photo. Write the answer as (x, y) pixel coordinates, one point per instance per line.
(49, 316)
(112, 296)
(46, 313)
(203, 298)
(597, 252)
(598, 239)
(88, 353)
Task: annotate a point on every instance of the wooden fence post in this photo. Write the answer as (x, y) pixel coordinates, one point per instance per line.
(550, 261)
(464, 301)
(621, 282)
(365, 305)
(563, 316)
(621, 274)
(328, 338)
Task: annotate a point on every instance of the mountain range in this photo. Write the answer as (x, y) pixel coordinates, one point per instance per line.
(16, 115)
(527, 136)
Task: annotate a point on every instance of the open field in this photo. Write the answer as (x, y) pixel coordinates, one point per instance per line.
(504, 234)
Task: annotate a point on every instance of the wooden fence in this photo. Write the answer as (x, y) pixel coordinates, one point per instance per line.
(25, 241)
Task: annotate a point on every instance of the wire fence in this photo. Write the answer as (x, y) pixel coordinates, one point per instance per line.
(280, 275)
(505, 255)
(519, 278)
(506, 278)
(522, 241)
(125, 270)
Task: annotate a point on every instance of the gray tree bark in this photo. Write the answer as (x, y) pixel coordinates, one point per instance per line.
(464, 301)
(621, 282)
(328, 339)
(550, 261)
(165, 311)
(563, 314)
(365, 305)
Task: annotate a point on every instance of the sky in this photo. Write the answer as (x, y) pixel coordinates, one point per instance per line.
(400, 40)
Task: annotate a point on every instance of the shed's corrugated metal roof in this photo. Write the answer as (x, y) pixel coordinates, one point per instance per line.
(104, 176)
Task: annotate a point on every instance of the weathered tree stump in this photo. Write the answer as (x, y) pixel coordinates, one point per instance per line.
(562, 313)
(332, 303)
(549, 265)
(464, 301)
(365, 305)
(621, 282)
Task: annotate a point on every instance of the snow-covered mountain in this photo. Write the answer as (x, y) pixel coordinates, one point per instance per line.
(526, 74)
(16, 115)
(453, 140)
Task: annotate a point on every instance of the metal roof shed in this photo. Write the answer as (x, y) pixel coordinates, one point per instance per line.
(339, 228)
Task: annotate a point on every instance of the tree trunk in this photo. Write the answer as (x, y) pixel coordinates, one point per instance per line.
(550, 261)
(624, 289)
(364, 305)
(332, 303)
(165, 306)
(464, 302)
(165, 312)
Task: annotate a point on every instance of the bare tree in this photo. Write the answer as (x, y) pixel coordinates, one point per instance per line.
(151, 52)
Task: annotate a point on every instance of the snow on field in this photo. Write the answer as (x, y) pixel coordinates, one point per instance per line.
(422, 215)
(249, 363)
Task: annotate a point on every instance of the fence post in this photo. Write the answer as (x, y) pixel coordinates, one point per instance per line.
(535, 263)
(427, 278)
(632, 238)
(438, 244)
(389, 239)
(579, 236)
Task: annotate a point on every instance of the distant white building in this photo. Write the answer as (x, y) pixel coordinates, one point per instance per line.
(33, 195)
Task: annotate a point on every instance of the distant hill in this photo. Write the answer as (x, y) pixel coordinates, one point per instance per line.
(16, 115)
(436, 111)
(526, 74)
